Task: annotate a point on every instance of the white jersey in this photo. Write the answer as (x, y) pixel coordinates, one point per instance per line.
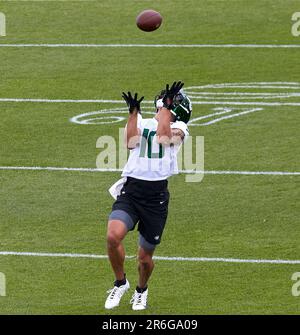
(150, 160)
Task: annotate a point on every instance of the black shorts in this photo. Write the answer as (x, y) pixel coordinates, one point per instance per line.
(146, 202)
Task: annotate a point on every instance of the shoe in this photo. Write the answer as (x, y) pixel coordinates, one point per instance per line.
(139, 300)
(115, 295)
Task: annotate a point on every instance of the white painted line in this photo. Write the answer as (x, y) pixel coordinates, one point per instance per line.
(213, 172)
(231, 116)
(250, 173)
(63, 100)
(219, 46)
(244, 103)
(232, 103)
(52, 168)
(228, 260)
(162, 258)
(254, 84)
(242, 96)
(198, 95)
(46, 254)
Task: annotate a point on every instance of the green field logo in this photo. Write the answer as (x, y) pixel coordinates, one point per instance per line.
(2, 25)
(296, 286)
(2, 285)
(296, 25)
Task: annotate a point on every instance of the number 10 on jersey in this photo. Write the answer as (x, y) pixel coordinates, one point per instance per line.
(147, 141)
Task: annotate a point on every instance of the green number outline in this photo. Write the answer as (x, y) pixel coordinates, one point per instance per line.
(147, 139)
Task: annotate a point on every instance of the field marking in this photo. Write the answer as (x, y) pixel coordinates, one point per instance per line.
(202, 92)
(104, 116)
(225, 111)
(260, 85)
(234, 103)
(76, 45)
(212, 172)
(241, 95)
(211, 92)
(101, 115)
(161, 258)
(64, 100)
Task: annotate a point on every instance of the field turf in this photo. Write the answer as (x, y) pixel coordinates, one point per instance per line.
(225, 216)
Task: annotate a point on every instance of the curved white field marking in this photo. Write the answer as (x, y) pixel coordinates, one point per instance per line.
(82, 118)
(231, 116)
(103, 117)
(110, 119)
(160, 258)
(211, 92)
(200, 92)
(199, 95)
(225, 93)
(221, 111)
(241, 96)
(279, 84)
(194, 122)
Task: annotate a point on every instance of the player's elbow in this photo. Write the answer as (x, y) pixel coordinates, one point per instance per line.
(132, 142)
(163, 139)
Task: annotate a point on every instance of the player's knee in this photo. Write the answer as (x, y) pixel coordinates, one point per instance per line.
(145, 259)
(113, 239)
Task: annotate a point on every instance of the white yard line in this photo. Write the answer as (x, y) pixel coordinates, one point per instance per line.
(63, 100)
(219, 46)
(244, 103)
(162, 258)
(230, 103)
(213, 172)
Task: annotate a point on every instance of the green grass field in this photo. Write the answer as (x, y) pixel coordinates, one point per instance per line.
(225, 216)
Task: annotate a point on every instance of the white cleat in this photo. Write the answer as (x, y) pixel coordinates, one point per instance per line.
(115, 295)
(139, 300)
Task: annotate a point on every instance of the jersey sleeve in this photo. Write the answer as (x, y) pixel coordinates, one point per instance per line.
(139, 121)
(182, 126)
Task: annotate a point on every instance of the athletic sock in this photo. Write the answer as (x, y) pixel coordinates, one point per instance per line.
(121, 282)
(141, 290)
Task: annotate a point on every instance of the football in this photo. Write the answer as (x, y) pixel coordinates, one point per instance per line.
(149, 20)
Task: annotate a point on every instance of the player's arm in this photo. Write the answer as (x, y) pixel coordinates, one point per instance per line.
(177, 136)
(163, 131)
(166, 135)
(132, 132)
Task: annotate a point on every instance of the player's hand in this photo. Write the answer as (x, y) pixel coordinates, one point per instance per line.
(132, 102)
(170, 93)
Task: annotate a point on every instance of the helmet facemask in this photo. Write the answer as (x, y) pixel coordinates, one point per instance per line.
(182, 107)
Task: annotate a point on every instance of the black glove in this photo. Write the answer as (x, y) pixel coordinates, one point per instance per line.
(132, 102)
(170, 94)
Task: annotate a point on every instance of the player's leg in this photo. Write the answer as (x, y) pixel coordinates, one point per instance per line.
(145, 268)
(153, 215)
(116, 231)
(120, 222)
(145, 263)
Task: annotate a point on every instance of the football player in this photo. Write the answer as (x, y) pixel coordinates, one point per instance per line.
(143, 197)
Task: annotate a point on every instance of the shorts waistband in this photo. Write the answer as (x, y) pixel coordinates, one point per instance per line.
(147, 182)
